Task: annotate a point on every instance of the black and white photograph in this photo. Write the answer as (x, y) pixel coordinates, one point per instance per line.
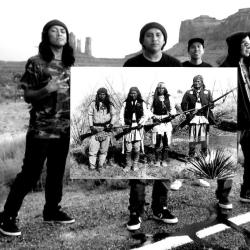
(167, 140)
(125, 124)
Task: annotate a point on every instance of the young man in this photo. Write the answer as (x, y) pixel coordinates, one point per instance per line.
(133, 113)
(153, 38)
(101, 120)
(239, 56)
(47, 88)
(196, 52)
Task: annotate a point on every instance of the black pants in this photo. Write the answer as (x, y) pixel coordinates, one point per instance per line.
(36, 152)
(245, 145)
(137, 195)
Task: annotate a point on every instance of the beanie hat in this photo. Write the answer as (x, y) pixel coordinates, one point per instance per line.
(51, 23)
(195, 40)
(102, 90)
(151, 25)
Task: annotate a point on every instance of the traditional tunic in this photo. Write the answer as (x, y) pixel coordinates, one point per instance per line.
(139, 116)
(161, 113)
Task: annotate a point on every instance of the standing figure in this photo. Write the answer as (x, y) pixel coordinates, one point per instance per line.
(101, 120)
(46, 87)
(133, 113)
(161, 108)
(195, 98)
(153, 38)
(196, 51)
(239, 56)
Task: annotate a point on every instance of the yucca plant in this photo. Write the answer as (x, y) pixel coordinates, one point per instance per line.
(215, 165)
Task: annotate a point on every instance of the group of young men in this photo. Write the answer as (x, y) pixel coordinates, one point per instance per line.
(48, 94)
(153, 38)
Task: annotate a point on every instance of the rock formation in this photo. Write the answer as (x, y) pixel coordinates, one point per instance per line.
(213, 31)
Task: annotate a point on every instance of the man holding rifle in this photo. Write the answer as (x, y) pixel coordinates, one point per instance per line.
(161, 108)
(134, 114)
(195, 98)
(101, 120)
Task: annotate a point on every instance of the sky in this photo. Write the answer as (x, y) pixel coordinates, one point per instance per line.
(113, 25)
(85, 81)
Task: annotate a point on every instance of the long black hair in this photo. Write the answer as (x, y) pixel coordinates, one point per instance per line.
(156, 100)
(139, 97)
(106, 102)
(45, 51)
(234, 50)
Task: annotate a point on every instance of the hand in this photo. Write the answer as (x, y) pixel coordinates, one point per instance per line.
(56, 83)
(188, 116)
(108, 127)
(139, 126)
(156, 120)
(126, 130)
(93, 129)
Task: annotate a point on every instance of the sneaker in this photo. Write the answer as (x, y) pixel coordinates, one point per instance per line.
(166, 216)
(245, 196)
(175, 185)
(8, 226)
(202, 183)
(134, 222)
(225, 203)
(58, 216)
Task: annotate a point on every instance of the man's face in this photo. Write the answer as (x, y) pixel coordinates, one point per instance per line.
(196, 50)
(102, 96)
(153, 40)
(245, 47)
(197, 84)
(161, 90)
(133, 94)
(57, 36)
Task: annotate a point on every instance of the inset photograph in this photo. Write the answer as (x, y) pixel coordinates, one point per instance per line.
(150, 122)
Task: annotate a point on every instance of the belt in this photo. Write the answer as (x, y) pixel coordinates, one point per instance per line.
(101, 124)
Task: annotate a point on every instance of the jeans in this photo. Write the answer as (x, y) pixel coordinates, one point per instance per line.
(38, 150)
(245, 145)
(137, 195)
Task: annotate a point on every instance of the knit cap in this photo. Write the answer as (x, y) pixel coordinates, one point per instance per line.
(51, 23)
(151, 25)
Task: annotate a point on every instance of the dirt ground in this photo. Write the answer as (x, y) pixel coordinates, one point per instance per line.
(226, 141)
(101, 217)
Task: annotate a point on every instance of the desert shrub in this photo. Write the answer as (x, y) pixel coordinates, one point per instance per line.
(11, 154)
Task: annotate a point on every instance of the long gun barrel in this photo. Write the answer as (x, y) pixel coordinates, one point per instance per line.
(187, 120)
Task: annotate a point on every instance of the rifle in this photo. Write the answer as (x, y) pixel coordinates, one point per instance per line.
(148, 127)
(86, 135)
(195, 111)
